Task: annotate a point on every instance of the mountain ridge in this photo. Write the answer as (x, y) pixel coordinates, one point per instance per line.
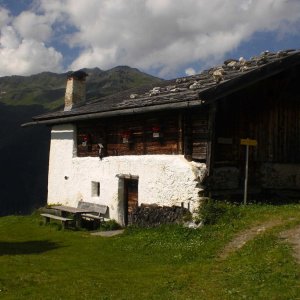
(48, 88)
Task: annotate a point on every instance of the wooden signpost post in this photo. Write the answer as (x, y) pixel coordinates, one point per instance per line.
(247, 142)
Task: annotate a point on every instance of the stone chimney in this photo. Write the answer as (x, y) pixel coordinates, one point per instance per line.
(75, 90)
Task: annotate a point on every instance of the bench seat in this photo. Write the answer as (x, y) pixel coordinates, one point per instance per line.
(91, 216)
(62, 219)
(98, 211)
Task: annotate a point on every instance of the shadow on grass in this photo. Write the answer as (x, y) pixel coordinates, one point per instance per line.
(30, 247)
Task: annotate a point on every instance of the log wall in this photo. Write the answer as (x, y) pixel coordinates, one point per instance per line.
(146, 134)
(268, 112)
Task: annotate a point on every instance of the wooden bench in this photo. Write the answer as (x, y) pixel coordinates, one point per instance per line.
(98, 210)
(64, 221)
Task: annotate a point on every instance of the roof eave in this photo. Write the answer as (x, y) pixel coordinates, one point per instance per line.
(120, 112)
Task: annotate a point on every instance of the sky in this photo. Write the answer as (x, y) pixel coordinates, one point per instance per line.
(165, 38)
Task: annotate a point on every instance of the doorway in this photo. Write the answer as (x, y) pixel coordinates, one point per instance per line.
(130, 199)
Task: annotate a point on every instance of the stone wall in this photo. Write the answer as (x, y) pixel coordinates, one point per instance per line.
(75, 93)
(154, 215)
(280, 176)
(265, 180)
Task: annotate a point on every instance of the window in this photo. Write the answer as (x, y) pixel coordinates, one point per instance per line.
(95, 189)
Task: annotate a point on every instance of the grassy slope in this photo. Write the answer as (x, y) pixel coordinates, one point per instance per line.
(42, 89)
(40, 262)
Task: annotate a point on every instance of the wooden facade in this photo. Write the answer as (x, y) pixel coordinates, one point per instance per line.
(269, 112)
(179, 132)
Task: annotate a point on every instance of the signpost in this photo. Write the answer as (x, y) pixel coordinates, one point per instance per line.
(247, 142)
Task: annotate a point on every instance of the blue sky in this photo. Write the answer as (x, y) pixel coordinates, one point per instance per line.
(166, 38)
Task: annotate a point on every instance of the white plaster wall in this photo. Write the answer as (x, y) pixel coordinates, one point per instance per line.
(163, 179)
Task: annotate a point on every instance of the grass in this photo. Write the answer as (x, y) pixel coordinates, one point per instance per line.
(170, 262)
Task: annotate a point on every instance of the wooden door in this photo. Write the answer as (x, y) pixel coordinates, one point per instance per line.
(130, 199)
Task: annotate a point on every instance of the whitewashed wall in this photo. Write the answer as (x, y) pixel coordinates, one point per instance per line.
(163, 179)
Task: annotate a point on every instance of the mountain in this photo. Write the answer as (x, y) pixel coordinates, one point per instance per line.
(47, 89)
(24, 151)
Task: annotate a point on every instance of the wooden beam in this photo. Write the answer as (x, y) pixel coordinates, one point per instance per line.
(211, 137)
(180, 134)
(188, 143)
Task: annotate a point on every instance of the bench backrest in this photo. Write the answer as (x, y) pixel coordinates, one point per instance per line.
(97, 208)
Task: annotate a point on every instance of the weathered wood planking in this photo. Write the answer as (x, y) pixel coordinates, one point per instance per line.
(268, 112)
(131, 198)
(139, 132)
(200, 135)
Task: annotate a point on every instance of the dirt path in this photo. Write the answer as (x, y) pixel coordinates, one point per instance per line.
(292, 236)
(245, 236)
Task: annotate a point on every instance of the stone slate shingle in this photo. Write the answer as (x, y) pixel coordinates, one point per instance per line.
(209, 85)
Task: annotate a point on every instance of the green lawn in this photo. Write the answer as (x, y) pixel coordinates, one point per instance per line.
(42, 262)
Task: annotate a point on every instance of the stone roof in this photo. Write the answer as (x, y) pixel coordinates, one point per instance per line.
(193, 90)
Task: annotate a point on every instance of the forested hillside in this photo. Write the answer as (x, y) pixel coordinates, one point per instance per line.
(24, 151)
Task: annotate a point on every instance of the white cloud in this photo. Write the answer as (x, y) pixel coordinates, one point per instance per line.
(29, 57)
(23, 48)
(9, 38)
(190, 71)
(4, 16)
(166, 35)
(162, 36)
(32, 26)
(158, 7)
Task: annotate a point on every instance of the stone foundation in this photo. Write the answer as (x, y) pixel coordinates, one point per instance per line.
(267, 181)
(154, 215)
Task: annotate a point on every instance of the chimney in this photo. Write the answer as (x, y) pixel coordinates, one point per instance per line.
(75, 90)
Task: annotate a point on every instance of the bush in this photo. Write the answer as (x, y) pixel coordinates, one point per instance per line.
(213, 211)
(109, 225)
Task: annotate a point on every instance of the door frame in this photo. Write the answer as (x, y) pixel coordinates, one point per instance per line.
(127, 182)
(122, 198)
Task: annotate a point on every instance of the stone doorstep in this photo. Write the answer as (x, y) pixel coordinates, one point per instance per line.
(108, 233)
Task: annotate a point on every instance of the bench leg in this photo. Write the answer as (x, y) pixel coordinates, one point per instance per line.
(64, 224)
(47, 220)
(78, 221)
(96, 224)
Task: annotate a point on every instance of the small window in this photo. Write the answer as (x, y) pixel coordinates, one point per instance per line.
(95, 189)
